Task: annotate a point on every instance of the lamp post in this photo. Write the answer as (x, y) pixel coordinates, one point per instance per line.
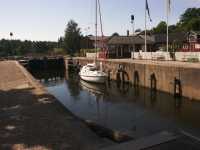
(133, 25)
(11, 35)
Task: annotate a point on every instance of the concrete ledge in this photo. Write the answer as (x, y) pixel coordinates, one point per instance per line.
(145, 142)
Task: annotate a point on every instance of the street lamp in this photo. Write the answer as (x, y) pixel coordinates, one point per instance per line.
(11, 35)
(133, 23)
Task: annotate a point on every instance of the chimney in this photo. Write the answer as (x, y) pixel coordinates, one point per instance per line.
(127, 32)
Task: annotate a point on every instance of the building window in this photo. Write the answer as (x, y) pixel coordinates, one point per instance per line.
(192, 38)
(198, 38)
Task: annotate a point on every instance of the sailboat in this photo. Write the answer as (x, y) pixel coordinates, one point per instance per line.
(90, 72)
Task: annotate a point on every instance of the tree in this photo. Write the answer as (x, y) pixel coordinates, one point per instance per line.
(172, 28)
(61, 42)
(138, 30)
(20, 48)
(160, 28)
(72, 37)
(190, 20)
(190, 14)
(194, 24)
(115, 34)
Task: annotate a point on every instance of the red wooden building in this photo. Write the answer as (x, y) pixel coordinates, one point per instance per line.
(193, 43)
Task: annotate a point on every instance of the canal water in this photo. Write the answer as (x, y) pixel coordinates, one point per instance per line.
(136, 111)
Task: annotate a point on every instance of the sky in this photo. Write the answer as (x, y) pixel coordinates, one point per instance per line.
(46, 20)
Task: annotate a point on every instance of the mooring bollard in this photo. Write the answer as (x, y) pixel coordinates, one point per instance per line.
(136, 79)
(177, 88)
(153, 82)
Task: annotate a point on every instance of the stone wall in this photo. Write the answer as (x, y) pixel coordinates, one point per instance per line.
(179, 56)
(165, 75)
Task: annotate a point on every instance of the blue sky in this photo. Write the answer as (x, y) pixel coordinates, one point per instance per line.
(47, 19)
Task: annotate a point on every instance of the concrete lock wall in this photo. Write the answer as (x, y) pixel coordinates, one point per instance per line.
(164, 75)
(151, 55)
(92, 55)
(184, 56)
(179, 56)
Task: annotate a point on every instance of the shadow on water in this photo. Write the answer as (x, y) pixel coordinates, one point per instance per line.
(124, 107)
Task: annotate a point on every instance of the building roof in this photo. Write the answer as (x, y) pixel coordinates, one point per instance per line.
(173, 37)
(99, 38)
(180, 37)
(128, 40)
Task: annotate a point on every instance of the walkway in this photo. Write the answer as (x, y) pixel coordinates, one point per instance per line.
(32, 119)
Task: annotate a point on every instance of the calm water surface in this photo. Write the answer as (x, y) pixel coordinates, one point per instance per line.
(137, 111)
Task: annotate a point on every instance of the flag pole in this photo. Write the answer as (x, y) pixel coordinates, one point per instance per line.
(133, 25)
(145, 26)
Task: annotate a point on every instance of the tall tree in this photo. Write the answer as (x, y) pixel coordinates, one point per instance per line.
(190, 19)
(115, 34)
(72, 37)
(190, 14)
(194, 24)
(160, 28)
(60, 42)
(138, 30)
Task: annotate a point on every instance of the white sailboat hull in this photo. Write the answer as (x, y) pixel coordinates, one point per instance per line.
(94, 79)
(90, 73)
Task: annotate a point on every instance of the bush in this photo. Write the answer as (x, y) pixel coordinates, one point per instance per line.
(193, 59)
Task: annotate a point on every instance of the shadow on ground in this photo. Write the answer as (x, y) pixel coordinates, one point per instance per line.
(34, 121)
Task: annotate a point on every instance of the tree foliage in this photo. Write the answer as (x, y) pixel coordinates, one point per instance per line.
(190, 14)
(138, 30)
(72, 37)
(189, 20)
(160, 28)
(115, 34)
(19, 48)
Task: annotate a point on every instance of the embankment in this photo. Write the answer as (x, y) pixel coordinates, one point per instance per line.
(178, 78)
(30, 118)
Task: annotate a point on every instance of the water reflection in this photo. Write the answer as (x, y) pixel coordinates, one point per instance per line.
(153, 97)
(124, 107)
(49, 77)
(177, 104)
(73, 84)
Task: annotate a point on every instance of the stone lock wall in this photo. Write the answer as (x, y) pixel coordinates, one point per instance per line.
(164, 75)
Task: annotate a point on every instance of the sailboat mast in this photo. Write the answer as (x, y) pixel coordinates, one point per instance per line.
(167, 13)
(96, 15)
(145, 25)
